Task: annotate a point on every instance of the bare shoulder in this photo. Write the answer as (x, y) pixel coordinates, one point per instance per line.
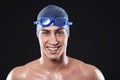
(89, 71)
(20, 72)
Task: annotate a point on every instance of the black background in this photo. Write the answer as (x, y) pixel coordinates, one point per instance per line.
(94, 34)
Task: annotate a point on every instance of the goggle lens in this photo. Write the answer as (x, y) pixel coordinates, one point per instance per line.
(45, 21)
(60, 22)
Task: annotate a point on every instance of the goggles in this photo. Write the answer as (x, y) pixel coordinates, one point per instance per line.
(46, 21)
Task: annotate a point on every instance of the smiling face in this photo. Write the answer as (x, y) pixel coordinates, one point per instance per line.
(53, 42)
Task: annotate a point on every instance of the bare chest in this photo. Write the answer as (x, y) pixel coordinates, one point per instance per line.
(54, 77)
(70, 75)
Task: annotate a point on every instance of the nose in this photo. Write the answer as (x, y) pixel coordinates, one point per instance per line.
(53, 40)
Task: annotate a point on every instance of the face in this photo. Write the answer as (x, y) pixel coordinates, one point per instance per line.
(53, 42)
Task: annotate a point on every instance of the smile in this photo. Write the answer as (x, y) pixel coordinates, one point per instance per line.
(53, 49)
(50, 48)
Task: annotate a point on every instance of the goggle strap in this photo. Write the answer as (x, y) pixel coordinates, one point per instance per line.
(36, 22)
(69, 23)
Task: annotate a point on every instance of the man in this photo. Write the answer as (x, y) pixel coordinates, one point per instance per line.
(53, 33)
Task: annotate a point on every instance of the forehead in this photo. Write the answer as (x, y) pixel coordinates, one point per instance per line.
(52, 28)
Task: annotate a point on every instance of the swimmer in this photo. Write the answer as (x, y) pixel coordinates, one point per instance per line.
(53, 31)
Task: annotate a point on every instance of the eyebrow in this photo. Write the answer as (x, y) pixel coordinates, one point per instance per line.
(44, 30)
(59, 29)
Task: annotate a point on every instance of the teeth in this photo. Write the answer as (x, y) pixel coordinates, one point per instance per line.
(52, 48)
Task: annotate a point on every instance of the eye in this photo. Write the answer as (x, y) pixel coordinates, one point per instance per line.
(45, 32)
(60, 32)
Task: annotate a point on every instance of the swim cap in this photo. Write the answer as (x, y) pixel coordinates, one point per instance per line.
(52, 11)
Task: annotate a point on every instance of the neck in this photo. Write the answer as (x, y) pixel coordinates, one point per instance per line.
(54, 64)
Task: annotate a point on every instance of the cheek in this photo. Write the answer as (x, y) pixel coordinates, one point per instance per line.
(42, 40)
(63, 40)
(66, 41)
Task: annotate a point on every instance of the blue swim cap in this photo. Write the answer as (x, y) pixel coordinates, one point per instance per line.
(52, 11)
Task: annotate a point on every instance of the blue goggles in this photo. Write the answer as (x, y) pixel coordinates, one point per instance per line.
(46, 21)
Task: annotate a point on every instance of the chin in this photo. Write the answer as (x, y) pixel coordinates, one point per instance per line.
(54, 56)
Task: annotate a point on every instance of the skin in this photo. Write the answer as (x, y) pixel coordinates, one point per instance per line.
(54, 64)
